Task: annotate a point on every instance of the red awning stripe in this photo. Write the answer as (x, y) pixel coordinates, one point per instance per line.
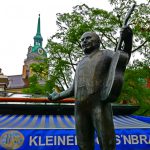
(35, 100)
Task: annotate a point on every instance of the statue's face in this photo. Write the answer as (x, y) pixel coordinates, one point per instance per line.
(88, 42)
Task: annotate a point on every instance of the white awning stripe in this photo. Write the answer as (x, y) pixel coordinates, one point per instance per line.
(61, 121)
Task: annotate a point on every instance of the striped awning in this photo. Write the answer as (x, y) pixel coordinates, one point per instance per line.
(55, 132)
(63, 122)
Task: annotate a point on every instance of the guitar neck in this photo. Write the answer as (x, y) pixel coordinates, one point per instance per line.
(124, 25)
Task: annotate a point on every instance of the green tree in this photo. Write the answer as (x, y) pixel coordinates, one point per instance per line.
(38, 82)
(34, 86)
(140, 22)
(64, 46)
(135, 90)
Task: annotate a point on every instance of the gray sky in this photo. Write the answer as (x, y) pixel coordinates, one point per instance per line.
(19, 23)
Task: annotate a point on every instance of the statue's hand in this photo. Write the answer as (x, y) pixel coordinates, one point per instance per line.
(54, 96)
(127, 34)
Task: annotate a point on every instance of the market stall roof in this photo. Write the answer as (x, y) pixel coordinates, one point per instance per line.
(63, 122)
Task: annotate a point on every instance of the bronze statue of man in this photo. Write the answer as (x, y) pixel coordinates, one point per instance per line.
(92, 114)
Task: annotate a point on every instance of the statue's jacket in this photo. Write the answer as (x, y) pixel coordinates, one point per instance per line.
(91, 72)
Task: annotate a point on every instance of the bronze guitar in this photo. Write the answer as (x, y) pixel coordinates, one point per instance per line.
(114, 81)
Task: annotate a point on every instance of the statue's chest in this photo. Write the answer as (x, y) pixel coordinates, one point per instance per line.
(88, 69)
(87, 66)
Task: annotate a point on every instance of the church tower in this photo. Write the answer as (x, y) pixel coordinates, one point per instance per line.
(33, 52)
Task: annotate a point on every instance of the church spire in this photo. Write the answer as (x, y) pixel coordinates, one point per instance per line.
(38, 38)
(38, 27)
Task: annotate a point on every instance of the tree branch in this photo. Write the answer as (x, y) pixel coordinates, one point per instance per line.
(139, 46)
(71, 62)
(60, 84)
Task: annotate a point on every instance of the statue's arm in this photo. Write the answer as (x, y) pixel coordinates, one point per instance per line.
(65, 94)
(127, 36)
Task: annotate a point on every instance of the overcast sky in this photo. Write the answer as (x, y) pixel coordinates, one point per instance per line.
(19, 24)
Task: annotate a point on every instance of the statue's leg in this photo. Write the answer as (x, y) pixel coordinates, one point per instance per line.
(84, 128)
(103, 123)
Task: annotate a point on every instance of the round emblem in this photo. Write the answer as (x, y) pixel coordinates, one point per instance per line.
(40, 51)
(11, 139)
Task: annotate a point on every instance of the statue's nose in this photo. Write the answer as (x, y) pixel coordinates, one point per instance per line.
(85, 41)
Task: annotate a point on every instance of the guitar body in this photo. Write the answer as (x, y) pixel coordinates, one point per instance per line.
(114, 81)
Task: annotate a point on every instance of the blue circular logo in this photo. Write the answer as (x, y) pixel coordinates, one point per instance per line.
(11, 139)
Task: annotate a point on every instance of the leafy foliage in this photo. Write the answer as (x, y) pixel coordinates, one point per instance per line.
(38, 83)
(34, 87)
(139, 22)
(135, 90)
(64, 46)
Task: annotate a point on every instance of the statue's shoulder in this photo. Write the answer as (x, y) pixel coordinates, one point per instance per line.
(82, 60)
(107, 52)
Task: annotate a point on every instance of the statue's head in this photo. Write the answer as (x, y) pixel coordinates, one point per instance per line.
(90, 41)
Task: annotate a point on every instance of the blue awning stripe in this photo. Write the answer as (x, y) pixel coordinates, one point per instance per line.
(61, 121)
(55, 119)
(38, 122)
(52, 124)
(47, 123)
(42, 125)
(120, 122)
(128, 121)
(136, 120)
(22, 121)
(71, 118)
(17, 121)
(34, 122)
(9, 120)
(65, 121)
(28, 121)
(4, 118)
(142, 118)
